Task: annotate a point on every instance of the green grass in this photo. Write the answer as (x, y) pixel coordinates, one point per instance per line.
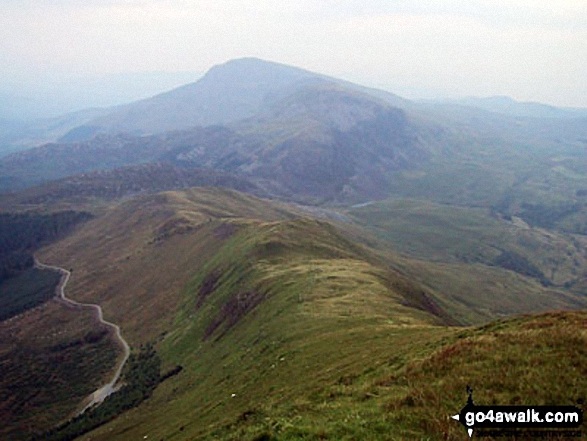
(478, 265)
(282, 311)
(529, 360)
(289, 329)
(28, 289)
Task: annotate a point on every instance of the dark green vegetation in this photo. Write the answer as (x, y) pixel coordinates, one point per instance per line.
(26, 290)
(140, 377)
(50, 361)
(22, 233)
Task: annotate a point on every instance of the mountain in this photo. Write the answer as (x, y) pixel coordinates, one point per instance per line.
(299, 137)
(226, 93)
(508, 106)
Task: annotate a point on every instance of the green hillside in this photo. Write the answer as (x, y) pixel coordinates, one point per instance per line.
(289, 327)
(279, 344)
(484, 267)
(278, 301)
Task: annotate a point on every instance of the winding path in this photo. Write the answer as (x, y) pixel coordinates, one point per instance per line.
(99, 395)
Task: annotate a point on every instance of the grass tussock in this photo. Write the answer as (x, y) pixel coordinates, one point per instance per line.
(534, 360)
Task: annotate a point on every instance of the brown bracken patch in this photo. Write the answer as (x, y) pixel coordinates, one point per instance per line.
(207, 287)
(225, 231)
(235, 309)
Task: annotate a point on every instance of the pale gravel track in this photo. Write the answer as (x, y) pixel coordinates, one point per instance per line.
(99, 395)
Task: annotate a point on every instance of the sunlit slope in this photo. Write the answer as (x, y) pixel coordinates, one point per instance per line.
(287, 328)
(135, 259)
(285, 369)
(280, 310)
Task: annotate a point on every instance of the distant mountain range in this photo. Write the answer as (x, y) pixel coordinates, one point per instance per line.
(508, 106)
(294, 133)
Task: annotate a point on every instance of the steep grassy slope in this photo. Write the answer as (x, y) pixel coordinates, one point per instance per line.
(287, 328)
(255, 272)
(279, 310)
(135, 259)
(280, 344)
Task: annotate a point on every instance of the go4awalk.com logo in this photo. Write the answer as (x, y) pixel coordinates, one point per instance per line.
(475, 417)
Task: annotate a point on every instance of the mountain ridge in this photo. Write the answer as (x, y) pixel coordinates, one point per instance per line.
(316, 140)
(228, 92)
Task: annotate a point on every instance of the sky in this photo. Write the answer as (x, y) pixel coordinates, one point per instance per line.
(531, 50)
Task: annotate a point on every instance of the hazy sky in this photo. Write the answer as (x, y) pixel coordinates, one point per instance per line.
(528, 49)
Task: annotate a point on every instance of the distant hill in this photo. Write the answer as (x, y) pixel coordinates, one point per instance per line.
(229, 92)
(508, 106)
(306, 137)
(125, 182)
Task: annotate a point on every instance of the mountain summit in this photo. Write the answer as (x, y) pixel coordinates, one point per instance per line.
(228, 92)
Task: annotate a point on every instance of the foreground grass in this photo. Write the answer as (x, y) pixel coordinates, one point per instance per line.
(534, 360)
(346, 380)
